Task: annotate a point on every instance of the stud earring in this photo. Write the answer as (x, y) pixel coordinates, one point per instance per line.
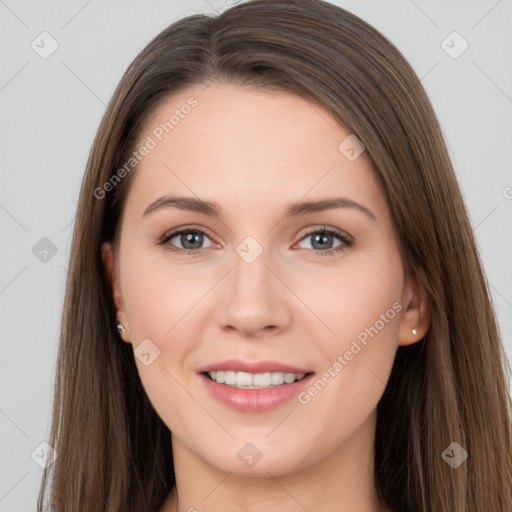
(120, 327)
(414, 332)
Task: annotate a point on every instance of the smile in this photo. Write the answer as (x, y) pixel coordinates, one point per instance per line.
(254, 392)
(244, 380)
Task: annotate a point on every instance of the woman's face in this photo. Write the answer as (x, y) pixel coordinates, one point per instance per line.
(272, 289)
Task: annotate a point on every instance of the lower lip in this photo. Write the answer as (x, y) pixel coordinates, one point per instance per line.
(255, 400)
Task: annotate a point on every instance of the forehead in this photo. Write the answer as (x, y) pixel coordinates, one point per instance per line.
(248, 147)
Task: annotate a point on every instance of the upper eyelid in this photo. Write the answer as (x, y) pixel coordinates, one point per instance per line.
(329, 229)
(177, 231)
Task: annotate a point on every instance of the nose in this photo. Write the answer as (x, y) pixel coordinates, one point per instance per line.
(254, 299)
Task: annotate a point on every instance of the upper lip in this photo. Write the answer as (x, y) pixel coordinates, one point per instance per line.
(238, 365)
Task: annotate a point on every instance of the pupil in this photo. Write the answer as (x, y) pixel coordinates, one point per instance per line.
(321, 237)
(189, 237)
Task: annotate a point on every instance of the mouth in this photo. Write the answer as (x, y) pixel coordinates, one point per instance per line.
(254, 387)
(246, 380)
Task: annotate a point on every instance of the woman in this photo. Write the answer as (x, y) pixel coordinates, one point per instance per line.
(275, 301)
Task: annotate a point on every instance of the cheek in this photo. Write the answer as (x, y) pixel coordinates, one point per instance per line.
(357, 296)
(160, 303)
(361, 306)
(164, 303)
(160, 297)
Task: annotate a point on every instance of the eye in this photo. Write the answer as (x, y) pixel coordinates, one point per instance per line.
(322, 240)
(190, 238)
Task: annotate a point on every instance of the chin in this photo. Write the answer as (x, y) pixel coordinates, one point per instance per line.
(258, 460)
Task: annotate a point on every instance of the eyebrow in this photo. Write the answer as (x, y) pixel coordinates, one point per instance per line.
(213, 209)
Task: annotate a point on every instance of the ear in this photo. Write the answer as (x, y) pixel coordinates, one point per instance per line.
(417, 311)
(111, 268)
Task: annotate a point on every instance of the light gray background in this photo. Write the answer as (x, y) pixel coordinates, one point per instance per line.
(51, 108)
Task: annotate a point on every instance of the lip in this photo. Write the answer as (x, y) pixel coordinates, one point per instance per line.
(238, 365)
(254, 400)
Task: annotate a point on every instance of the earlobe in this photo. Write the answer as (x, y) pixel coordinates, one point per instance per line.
(416, 318)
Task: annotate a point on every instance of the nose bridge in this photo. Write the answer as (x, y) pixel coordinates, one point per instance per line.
(254, 299)
(251, 255)
(251, 277)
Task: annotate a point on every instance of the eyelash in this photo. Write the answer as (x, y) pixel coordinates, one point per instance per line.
(347, 242)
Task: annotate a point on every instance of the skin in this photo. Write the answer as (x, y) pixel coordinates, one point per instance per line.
(255, 152)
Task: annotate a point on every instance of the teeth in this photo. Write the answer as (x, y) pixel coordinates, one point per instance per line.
(229, 378)
(254, 380)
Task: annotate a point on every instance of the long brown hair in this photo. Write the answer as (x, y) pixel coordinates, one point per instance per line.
(114, 452)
